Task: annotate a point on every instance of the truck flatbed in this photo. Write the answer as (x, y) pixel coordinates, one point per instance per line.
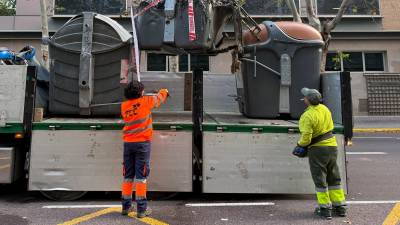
(233, 122)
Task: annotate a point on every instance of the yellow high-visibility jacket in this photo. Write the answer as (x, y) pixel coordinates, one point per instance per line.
(316, 120)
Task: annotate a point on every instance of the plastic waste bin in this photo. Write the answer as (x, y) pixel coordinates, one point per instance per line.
(331, 94)
(89, 57)
(171, 21)
(275, 68)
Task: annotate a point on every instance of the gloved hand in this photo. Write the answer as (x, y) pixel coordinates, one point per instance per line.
(300, 151)
(167, 92)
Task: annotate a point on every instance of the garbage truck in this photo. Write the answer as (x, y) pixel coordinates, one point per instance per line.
(216, 134)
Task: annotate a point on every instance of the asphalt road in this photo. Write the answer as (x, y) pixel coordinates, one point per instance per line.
(373, 179)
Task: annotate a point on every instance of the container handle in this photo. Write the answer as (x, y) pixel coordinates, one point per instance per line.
(175, 128)
(54, 127)
(293, 131)
(95, 127)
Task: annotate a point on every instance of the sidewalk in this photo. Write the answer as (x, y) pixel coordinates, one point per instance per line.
(376, 123)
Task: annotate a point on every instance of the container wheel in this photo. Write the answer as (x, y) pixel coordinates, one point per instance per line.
(63, 195)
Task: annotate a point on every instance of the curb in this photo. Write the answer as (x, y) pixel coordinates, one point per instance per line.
(376, 130)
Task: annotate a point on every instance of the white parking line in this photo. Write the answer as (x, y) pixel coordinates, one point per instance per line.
(187, 205)
(366, 153)
(230, 204)
(374, 138)
(79, 206)
(372, 202)
(212, 204)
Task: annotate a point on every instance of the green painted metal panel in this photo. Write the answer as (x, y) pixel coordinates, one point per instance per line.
(253, 128)
(11, 128)
(105, 126)
(208, 127)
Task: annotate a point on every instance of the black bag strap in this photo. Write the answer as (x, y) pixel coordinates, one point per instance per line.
(321, 137)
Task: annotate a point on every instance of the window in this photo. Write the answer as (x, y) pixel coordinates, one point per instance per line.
(73, 7)
(356, 7)
(355, 61)
(374, 62)
(270, 7)
(184, 63)
(156, 62)
(201, 61)
(7, 7)
(160, 62)
(324, 7)
(333, 62)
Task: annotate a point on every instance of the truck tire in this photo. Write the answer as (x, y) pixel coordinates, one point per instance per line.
(63, 195)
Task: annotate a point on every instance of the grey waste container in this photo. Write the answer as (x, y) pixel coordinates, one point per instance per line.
(293, 51)
(89, 56)
(331, 93)
(170, 19)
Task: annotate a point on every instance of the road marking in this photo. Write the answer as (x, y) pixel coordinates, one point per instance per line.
(79, 206)
(372, 130)
(146, 220)
(394, 216)
(5, 167)
(366, 153)
(230, 204)
(90, 216)
(375, 138)
(372, 202)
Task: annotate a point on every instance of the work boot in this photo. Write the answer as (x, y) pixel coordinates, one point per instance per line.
(126, 211)
(339, 211)
(126, 207)
(147, 212)
(325, 213)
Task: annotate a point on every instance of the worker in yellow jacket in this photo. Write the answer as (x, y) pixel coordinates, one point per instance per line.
(316, 126)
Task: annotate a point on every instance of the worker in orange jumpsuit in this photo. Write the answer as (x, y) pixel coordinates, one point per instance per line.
(137, 136)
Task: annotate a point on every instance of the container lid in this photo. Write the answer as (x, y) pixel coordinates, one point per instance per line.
(107, 34)
(295, 30)
(299, 31)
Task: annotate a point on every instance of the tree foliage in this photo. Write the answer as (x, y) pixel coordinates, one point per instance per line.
(7, 7)
(325, 27)
(72, 7)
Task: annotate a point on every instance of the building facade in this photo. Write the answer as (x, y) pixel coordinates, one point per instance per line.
(367, 40)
